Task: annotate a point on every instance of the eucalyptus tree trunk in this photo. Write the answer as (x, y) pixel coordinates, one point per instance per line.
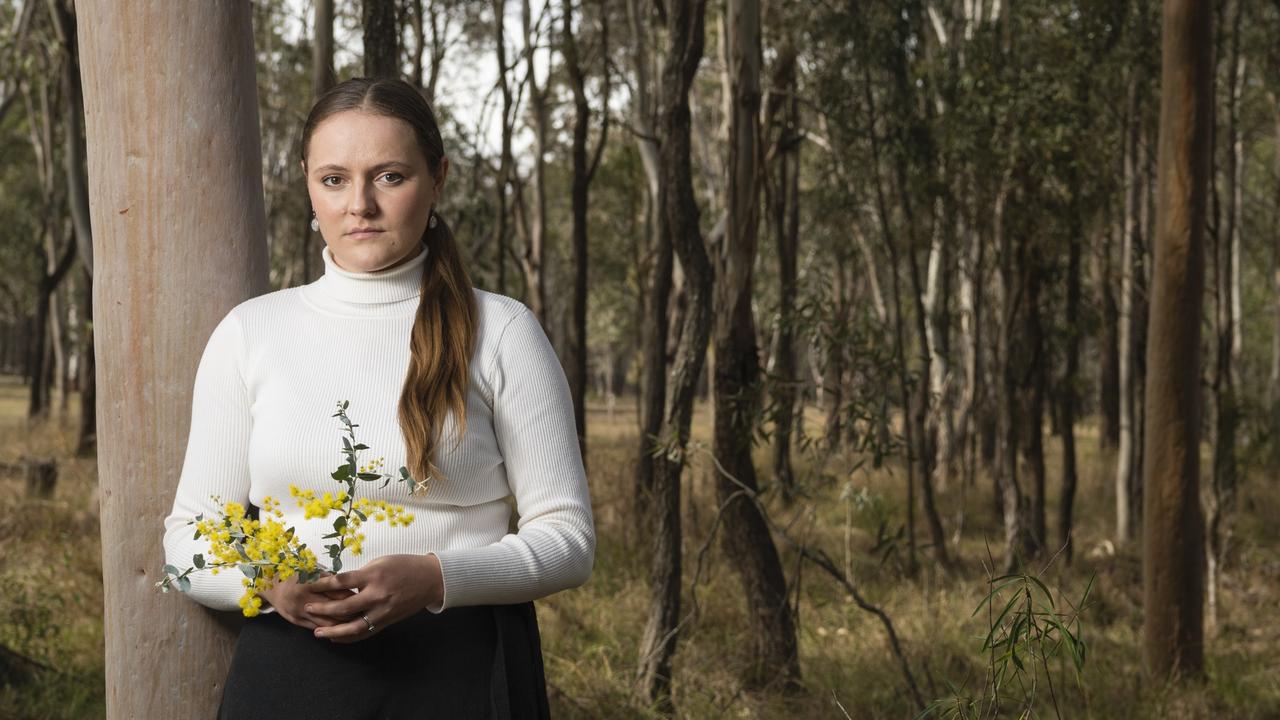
(1226, 402)
(87, 435)
(535, 240)
(322, 78)
(506, 163)
(685, 29)
(169, 271)
(381, 38)
(782, 201)
(583, 170)
(746, 536)
(1273, 384)
(656, 271)
(1126, 456)
(1173, 526)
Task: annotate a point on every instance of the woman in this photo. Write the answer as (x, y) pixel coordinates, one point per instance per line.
(459, 385)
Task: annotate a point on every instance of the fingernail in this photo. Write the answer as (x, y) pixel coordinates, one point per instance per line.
(307, 607)
(319, 632)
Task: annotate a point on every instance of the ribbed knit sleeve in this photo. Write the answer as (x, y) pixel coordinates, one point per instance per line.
(216, 463)
(554, 548)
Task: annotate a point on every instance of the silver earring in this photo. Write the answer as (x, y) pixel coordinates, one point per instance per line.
(315, 223)
(431, 223)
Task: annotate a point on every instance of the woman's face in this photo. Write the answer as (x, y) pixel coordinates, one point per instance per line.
(371, 189)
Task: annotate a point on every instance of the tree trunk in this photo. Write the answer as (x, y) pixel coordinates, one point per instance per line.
(746, 537)
(532, 259)
(170, 271)
(1067, 391)
(1173, 527)
(322, 78)
(381, 38)
(583, 170)
(781, 199)
(685, 29)
(1226, 407)
(1125, 458)
(654, 318)
(1273, 385)
(87, 438)
(506, 162)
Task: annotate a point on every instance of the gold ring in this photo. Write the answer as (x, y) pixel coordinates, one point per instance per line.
(366, 620)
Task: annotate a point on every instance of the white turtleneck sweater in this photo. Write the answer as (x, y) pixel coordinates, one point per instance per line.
(261, 419)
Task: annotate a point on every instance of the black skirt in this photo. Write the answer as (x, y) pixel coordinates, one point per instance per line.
(467, 662)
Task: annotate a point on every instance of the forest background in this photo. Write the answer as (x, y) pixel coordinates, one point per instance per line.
(854, 300)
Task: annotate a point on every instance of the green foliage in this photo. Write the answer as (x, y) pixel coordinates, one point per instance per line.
(1027, 630)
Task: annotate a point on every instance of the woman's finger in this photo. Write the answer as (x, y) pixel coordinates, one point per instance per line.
(348, 632)
(354, 605)
(341, 581)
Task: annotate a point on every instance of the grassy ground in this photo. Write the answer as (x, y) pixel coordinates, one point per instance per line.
(51, 606)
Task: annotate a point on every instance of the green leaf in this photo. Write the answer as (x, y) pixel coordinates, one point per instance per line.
(198, 560)
(197, 536)
(243, 555)
(361, 446)
(360, 515)
(370, 476)
(342, 473)
(250, 571)
(346, 444)
(337, 564)
(184, 584)
(340, 523)
(170, 570)
(1042, 587)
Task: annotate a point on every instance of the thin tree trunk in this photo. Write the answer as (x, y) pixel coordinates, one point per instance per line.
(583, 170)
(685, 29)
(532, 260)
(781, 198)
(1225, 405)
(654, 318)
(381, 39)
(1125, 463)
(1173, 527)
(322, 78)
(87, 438)
(746, 537)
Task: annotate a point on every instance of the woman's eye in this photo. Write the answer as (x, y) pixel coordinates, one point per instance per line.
(393, 177)
(325, 180)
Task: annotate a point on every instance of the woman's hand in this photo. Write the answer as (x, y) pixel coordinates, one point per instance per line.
(391, 588)
(290, 599)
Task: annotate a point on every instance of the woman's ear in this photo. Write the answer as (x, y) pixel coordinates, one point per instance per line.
(444, 173)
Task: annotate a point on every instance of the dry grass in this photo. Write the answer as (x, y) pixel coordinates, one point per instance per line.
(50, 570)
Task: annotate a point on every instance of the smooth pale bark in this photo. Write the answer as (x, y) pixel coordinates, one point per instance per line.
(1173, 526)
(169, 270)
(1125, 458)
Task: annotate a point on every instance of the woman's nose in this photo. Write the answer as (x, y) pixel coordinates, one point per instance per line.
(362, 201)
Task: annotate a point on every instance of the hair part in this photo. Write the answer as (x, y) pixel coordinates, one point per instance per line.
(444, 328)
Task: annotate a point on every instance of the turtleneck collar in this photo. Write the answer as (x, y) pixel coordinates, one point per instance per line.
(384, 293)
(397, 284)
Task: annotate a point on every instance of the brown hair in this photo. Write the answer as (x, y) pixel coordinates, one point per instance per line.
(444, 329)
